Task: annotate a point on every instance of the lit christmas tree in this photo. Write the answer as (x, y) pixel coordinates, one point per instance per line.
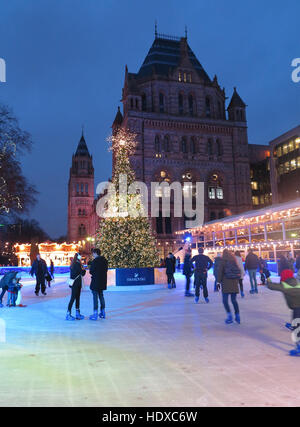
(124, 234)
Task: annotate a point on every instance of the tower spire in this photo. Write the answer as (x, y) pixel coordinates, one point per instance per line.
(155, 30)
(185, 32)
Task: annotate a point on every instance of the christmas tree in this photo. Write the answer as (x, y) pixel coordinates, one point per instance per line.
(124, 235)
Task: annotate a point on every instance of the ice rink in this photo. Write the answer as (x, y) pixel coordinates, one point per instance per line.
(156, 348)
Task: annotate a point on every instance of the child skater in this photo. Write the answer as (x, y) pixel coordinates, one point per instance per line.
(290, 288)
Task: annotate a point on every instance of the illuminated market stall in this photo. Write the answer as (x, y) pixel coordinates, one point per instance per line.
(60, 254)
(270, 232)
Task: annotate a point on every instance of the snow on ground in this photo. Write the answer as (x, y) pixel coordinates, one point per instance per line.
(156, 347)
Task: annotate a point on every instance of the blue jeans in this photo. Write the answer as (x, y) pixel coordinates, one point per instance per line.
(96, 295)
(234, 303)
(252, 276)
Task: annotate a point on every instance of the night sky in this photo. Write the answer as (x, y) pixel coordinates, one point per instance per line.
(65, 67)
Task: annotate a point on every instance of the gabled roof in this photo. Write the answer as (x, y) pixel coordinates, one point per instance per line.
(236, 101)
(82, 149)
(165, 55)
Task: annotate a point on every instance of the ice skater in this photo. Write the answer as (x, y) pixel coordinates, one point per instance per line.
(202, 264)
(39, 269)
(170, 270)
(290, 287)
(98, 271)
(10, 283)
(76, 274)
(215, 270)
(228, 278)
(252, 264)
(242, 270)
(188, 270)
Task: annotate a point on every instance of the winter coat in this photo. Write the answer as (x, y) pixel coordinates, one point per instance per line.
(188, 266)
(229, 286)
(251, 262)
(290, 289)
(202, 263)
(241, 266)
(216, 266)
(76, 272)
(7, 279)
(170, 265)
(39, 268)
(98, 271)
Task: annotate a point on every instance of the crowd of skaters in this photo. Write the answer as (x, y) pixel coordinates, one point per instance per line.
(229, 272)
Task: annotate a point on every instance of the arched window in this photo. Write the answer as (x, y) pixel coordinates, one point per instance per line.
(86, 188)
(193, 145)
(157, 144)
(82, 230)
(183, 145)
(166, 144)
(207, 107)
(215, 188)
(144, 102)
(136, 103)
(180, 103)
(221, 214)
(79, 212)
(210, 147)
(219, 147)
(77, 188)
(191, 105)
(131, 103)
(168, 225)
(161, 103)
(81, 188)
(159, 224)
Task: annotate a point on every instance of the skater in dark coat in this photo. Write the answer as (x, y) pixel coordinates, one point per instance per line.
(290, 287)
(188, 270)
(228, 277)
(170, 270)
(202, 264)
(39, 269)
(215, 270)
(76, 274)
(98, 271)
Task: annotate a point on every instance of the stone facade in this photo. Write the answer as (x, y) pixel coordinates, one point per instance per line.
(183, 132)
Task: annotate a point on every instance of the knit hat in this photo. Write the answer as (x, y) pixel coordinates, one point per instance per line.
(286, 274)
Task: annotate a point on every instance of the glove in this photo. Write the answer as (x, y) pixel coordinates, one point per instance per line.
(218, 286)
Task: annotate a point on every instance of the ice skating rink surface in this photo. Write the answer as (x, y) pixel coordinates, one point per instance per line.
(156, 348)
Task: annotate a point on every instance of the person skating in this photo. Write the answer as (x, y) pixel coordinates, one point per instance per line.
(252, 264)
(170, 270)
(39, 269)
(8, 283)
(242, 270)
(98, 271)
(188, 272)
(202, 264)
(291, 261)
(215, 270)
(228, 278)
(290, 287)
(76, 274)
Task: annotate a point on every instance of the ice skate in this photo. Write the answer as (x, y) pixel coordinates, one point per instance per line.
(102, 314)
(237, 318)
(78, 315)
(69, 317)
(94, 316)
(295, 351)
(229, 319)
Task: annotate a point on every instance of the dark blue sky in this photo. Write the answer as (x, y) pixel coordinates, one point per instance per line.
(65, 66)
